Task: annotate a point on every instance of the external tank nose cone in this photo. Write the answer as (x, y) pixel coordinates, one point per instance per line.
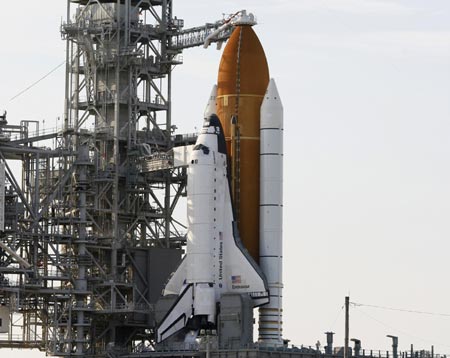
(243, 64)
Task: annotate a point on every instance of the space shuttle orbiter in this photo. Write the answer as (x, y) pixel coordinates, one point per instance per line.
(216, 261)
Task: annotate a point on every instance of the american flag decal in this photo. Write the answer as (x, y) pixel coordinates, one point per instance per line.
(235, 280)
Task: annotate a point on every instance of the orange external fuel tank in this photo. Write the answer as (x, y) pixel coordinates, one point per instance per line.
(242, 83)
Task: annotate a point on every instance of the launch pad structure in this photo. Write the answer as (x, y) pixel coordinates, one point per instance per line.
(89, 234)
(88, 228)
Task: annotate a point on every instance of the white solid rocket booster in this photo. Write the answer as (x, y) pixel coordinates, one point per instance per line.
(271, 215)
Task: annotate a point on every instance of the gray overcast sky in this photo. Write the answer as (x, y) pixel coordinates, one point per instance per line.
(366, 90)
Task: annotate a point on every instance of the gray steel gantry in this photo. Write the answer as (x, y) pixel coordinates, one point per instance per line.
(90, 236)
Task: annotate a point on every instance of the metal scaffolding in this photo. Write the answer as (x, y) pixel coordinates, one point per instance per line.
(89, 230)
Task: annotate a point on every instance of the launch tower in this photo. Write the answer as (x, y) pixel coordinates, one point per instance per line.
(89, 234)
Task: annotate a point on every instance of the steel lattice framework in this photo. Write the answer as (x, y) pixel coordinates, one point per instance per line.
(88, 223)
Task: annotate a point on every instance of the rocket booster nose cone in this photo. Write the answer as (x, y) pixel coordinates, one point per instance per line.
(272, 92)
(272, 108)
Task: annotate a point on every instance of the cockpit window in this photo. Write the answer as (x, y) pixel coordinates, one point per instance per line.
(202, 147)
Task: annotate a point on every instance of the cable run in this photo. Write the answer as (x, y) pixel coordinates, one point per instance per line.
(400, 309)
(337, 317)
(39, 80)
(401, 331)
